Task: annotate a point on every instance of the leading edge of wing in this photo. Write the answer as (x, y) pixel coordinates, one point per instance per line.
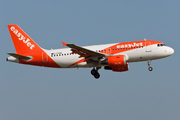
(83, 52)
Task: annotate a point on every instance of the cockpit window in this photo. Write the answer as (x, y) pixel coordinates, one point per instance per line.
(159, 45)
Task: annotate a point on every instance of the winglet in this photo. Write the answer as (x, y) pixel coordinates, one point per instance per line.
(64, 44)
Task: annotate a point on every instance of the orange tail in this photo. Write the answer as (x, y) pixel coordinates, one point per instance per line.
(22, 42)
(28, 52)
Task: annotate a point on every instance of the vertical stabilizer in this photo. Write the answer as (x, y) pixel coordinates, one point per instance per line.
(22, 42)
(28, 52)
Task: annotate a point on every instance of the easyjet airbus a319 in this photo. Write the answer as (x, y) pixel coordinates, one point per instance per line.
(113, 57)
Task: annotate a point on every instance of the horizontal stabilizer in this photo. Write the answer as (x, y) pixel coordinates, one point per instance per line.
(19, 56)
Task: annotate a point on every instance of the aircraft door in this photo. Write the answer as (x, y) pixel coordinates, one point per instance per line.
(44, 57)
(148, 46)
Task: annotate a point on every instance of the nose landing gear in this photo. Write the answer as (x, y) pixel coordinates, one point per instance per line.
(150, 68)
(149, 64)
(95, 73)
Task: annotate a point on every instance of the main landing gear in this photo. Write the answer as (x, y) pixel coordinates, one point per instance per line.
(95, 73)
(149, 64)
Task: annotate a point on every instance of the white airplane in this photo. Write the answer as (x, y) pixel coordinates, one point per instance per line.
(113, 57)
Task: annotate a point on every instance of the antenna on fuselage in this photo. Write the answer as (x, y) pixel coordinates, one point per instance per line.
(144, 39)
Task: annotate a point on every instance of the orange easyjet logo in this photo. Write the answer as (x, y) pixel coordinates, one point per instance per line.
(22, 38)
(130, 45)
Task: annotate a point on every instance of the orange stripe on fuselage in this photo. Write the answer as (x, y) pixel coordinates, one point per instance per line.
(126, 46)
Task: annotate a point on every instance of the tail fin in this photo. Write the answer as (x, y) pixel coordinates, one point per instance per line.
(22, 42)
(28, 52)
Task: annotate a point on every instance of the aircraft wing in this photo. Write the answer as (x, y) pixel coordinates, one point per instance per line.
(83, 52)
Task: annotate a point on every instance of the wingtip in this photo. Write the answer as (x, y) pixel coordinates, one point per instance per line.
(64, 44)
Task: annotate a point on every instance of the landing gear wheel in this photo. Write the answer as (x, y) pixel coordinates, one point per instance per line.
(150, 68)
(96, 75)
(93, 71)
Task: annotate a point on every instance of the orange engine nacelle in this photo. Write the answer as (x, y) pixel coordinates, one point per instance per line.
(116, 60)
(116, 63)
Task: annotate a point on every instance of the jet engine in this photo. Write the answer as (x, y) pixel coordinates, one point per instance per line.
(116, 63)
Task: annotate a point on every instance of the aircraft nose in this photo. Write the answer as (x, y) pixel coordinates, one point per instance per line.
(170, 51)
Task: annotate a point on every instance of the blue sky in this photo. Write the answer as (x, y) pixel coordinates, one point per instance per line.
(38, 93)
